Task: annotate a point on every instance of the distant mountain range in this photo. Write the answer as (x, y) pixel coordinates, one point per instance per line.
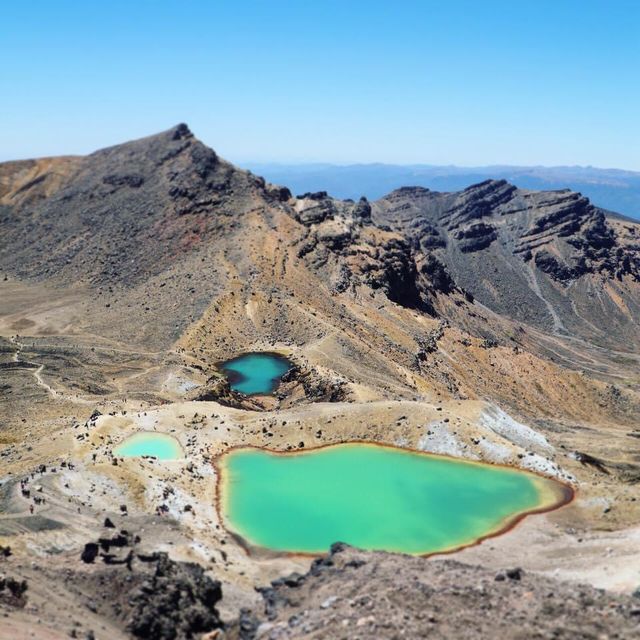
(612, 189)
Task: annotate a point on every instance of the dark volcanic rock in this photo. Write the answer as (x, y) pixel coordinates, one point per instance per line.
(342, 237)
(475, 237)
(553, 267)
(351, 593)
(152, 596)
(13, 591)
(316, 208)
(436, 274)
(90, 552)
(397, 274)
(317, 388)
(477, 201)
(177, 601)
(362, 210)
(133, 181)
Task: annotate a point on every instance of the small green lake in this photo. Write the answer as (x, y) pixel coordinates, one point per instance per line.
(255, 373)
(150, 443)
(373, 497)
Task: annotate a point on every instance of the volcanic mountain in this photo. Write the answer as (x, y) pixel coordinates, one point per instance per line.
(493, 323)
(550, 259)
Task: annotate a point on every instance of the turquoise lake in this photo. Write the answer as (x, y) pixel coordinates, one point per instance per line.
(150, 443)
(374, 497)
(255, 373)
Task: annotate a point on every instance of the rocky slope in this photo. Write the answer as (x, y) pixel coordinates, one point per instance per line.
(352, 594)
(126, 212)
(145, 215)
(348, 594)
(549, 259)
(123, 216)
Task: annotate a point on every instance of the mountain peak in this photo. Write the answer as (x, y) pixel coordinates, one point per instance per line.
(181, 131)
(135, 206)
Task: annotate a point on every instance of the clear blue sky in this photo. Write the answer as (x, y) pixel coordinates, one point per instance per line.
(461, 82)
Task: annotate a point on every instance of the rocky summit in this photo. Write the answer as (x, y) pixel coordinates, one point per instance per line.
(550, 259)
(493, 324)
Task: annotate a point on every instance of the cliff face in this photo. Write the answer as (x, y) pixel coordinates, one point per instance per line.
(343, 241)
(551, 259)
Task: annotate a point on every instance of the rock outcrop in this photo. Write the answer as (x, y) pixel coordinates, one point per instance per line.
(351, 593)
(343, 237)
(177, 600)
(148, 594)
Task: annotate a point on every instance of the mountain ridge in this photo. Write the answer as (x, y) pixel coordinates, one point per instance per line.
(163, 199)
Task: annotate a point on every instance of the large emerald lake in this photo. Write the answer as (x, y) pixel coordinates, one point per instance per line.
(373, 497)
(255, 373)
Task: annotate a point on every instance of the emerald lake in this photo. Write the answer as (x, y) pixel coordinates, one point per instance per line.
(255, 373)
(150, 443)
(373, 497)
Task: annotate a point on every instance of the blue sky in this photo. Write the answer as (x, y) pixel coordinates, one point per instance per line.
(459, 82)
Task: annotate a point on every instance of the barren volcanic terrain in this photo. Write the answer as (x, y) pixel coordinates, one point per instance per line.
(493, 324)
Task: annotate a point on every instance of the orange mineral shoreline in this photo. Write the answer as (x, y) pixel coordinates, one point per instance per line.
(561, 493)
